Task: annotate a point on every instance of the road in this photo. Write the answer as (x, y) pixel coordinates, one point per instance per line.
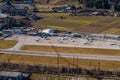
(65, 55)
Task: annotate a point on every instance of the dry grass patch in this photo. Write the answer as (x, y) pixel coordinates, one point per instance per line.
(114, 31)
(57, 27)
(69, 22)
(73, 50)
(85, 63)
(78, 24)
(55, 77)
(103, 22)
(4, 44)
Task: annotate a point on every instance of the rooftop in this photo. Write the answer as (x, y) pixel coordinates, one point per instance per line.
(12, 74)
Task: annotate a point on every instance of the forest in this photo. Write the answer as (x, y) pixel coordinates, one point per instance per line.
(101, 4)
(97, 4)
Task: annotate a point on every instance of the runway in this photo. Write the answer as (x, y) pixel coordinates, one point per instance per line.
(64, 55)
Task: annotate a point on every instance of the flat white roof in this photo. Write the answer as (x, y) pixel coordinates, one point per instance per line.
(11, 74)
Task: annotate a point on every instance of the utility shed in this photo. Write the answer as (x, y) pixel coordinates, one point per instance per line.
(6, 75)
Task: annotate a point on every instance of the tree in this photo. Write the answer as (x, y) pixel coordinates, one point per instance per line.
(10, 22)
(117, 7)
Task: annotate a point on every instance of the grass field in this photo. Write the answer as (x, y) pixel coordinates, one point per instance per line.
(115, 31)
(4, 44)
(69, 23)
(103, 22)
(55, 77)
(71, 50)
(46, 77)
(85, 63)
(88, 24)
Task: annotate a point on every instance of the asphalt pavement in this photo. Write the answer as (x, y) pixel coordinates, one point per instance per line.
(64, 55)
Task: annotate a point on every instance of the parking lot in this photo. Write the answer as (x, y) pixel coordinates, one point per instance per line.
(64, 41)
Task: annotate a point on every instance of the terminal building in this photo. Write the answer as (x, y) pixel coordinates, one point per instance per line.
(104, 36)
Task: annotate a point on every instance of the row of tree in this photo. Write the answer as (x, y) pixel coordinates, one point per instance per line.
(102, 4)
